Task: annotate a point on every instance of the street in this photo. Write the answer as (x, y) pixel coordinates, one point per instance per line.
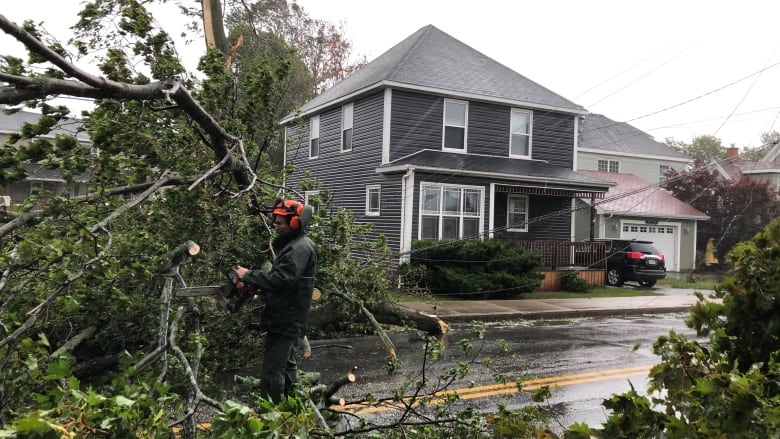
(583, 361)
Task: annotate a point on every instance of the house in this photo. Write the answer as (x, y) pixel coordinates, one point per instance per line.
(765, 170)
(38, 176)
(609, 146)
(433, 139)
(637, 207)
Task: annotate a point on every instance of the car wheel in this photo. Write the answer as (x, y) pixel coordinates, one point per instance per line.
(646, 283)
(613, 277)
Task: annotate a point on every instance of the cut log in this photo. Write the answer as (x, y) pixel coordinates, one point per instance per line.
(397, 315)
(386, 313)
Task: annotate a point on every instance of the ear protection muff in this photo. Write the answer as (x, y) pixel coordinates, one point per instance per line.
(289, 208)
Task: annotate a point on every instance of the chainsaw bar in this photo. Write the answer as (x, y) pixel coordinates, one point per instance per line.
(201, 291)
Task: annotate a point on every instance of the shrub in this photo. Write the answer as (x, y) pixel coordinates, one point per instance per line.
(572, 282)
(486, 269)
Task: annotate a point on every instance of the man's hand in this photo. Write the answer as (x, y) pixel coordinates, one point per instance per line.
(240, 272)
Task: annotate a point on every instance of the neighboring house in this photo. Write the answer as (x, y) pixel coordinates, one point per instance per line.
(609, 146)
(765, 170)
(635, 210)
(39, 177)
(433, 139)
(633, 160)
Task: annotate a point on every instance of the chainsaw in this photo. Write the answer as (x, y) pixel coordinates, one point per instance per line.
(229, 294)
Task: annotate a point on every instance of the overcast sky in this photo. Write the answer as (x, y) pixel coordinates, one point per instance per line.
(671, 68)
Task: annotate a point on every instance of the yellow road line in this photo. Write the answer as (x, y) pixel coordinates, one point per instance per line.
(502, 388)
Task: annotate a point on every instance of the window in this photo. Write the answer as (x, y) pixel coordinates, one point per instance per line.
(314, 137)
(609, 166)
(663, 169)
(455, 117)
(373, 193)
(520, 134)
(313, 199)
(517, 213)
(346, 127)
(450, 212)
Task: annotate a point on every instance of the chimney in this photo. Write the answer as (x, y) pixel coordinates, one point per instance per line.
(732, 152)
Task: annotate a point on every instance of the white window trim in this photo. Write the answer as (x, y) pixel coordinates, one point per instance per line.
(481, 217)
(314, 121)
(307, 196)
(465, 126)
(369, 188)
(609, 165)
(527, 207)
(351, 106)
(530, 132)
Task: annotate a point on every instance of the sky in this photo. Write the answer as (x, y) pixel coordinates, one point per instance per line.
(680, 69)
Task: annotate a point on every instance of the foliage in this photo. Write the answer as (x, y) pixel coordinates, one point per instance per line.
(571, 281)
(737, 210)
(322, 46)
(476, 268)
(702, 149)
(769, 140)
(72, 265)
(729, 386)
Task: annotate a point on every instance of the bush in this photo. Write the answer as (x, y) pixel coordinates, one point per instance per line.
(572, 282)
(478, 269)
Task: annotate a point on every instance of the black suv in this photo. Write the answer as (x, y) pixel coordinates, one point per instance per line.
(631, 260)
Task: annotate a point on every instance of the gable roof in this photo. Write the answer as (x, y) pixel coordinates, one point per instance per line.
(12, 123)
(602, 134)
(505, 168)
(734, 168)
(627, 198)
(433, 61)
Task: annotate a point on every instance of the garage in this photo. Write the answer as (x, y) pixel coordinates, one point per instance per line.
(664, 236)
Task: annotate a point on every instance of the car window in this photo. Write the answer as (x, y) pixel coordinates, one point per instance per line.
(648, 249)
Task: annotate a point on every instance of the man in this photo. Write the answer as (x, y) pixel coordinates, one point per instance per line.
(287, 289)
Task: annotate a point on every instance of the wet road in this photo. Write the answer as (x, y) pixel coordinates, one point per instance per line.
(583, 360)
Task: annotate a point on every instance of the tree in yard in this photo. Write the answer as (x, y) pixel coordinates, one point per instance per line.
(737, 210)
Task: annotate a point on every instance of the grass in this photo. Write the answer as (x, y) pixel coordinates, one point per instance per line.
(700, 282)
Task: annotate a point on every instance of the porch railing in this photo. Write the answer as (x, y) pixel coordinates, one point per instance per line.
(562, 254)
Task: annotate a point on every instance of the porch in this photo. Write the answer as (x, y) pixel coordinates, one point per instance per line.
(587, 258)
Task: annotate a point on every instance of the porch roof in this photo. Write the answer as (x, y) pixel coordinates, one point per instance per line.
(508, 172)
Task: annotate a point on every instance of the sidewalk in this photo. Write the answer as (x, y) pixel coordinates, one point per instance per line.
(672, 300)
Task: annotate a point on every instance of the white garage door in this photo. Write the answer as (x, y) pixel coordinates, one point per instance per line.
(663, 236)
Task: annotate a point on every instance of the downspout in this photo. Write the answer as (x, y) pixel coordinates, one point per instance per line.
(407, 209)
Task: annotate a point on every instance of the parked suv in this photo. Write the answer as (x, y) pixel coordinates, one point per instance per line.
(631, 260)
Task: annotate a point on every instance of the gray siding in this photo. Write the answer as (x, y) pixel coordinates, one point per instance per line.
(417, 123)
(553, 138)
(555, 211)
(346, 174)
(488, 129)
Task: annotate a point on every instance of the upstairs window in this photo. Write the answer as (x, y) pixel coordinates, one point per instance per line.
(609, 166)
(314, 137)
(455, 118)
(373, 194)
(517, 213)
(346, 127)
(520, 134)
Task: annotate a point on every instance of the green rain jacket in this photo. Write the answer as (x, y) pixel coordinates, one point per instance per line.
(287, 287)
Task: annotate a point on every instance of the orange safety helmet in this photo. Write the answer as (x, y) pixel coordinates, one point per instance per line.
(289, 208)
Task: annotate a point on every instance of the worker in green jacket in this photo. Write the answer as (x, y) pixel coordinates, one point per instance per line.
(287, 291)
